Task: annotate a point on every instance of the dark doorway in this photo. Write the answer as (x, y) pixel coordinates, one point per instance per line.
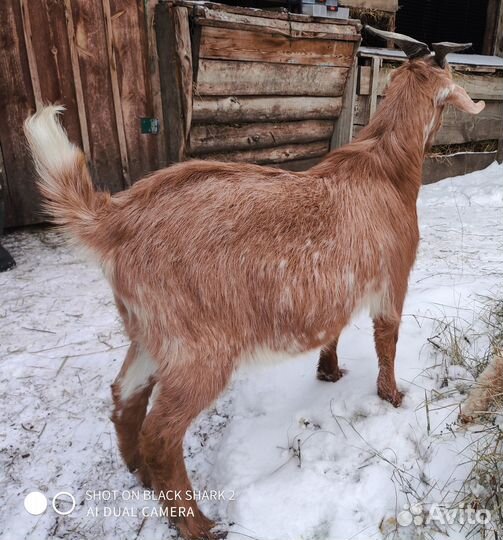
(431, 21)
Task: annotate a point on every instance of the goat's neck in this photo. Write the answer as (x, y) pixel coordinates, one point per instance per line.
(399, 142)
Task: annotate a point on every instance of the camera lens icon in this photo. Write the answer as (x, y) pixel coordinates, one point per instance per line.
(35, 503)
(63, 503)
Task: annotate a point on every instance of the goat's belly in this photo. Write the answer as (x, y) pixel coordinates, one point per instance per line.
(267, 355)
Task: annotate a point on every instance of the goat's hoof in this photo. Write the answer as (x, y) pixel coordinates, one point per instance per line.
(133, 461)
(394, 397)
(6, 260)
(334, 376)
(198, 527)
(465, 418)
(143, 475)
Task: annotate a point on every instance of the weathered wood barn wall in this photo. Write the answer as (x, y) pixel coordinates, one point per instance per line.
(248, 85)
(235, 86)
(221, 82)
(93, 56)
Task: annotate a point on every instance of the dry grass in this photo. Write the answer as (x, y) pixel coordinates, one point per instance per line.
(474, 146)
(483, 488)
(477, 348)
(471, 344)
(375, 18)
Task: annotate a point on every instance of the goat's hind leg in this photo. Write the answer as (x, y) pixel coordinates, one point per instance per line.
(181, 395)
(386, 337)
(328, 364)
(130, 392)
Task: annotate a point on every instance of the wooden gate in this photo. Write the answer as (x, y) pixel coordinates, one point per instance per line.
(98, 59)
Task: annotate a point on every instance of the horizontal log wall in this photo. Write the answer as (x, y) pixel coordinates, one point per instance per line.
(234, 109)
(216, 137)
(243, 45)
(221, 78)
(267, 87)
(278, 154)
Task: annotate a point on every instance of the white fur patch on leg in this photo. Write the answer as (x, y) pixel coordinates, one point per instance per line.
(138, 375)
(153, 396)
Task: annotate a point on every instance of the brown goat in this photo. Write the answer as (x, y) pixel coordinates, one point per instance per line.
(215, 263)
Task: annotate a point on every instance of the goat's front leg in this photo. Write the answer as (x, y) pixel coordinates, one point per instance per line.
(386, 336)
(130, 392)
(328, 365)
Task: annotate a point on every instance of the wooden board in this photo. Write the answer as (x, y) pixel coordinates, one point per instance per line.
(480, 86)
(221, 19)
(299, 165)
(22, 202)
(232, 13)
(361, 110)
(265, 46)
(97, 88)
(183, 52)
(222, 137)
(114, 80)
(53, 65)
(223, 78)
(77, 79)
(261, 109)
(274, 155)
(477, 86)
(343, 132)
(169, 23)
(437, 168)
(130, 45)
(155, 83)
(3, 186)
(457, 127)
(381, 5)
(498, 32)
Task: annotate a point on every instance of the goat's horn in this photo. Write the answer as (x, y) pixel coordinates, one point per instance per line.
(410, 46)
(445, 47)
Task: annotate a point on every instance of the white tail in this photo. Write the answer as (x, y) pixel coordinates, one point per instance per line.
(52, 151)
(64, 179)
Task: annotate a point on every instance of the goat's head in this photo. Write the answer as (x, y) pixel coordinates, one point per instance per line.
(433, 75)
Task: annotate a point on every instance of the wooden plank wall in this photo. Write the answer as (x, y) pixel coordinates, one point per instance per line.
(242, 87)
(16, 102)
(94, 57)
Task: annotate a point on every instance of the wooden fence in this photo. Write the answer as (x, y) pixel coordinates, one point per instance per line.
(95, 57)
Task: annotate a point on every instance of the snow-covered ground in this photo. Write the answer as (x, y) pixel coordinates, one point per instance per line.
(297, 458)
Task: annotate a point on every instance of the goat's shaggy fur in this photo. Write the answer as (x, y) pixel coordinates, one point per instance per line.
(486, 392)
(215, 263)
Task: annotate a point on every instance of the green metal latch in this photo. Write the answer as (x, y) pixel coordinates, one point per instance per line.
(150, 126)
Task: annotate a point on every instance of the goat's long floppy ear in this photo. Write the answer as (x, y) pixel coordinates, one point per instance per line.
(462, 101)
(443, 48)
(410, 46)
